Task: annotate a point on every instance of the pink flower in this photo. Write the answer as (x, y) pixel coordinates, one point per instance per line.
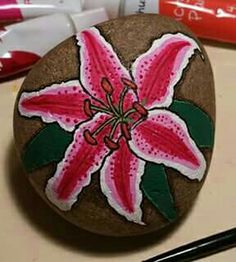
(120, 119)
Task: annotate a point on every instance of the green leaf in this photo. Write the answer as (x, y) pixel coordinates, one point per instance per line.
(49, 145)
(199, 124)
(156, 188)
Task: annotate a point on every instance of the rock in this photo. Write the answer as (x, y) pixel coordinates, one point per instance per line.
(115, 128)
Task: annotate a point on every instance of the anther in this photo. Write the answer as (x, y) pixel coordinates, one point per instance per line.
(87, 108)
(130, 84)
(125, 131)
(106, 86)
(110, 143)
(140, 109)
(89, 138)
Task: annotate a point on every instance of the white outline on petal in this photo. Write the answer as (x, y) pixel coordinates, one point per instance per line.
(27, 113)
(51, 195)
(137, 215)
(190, 173)
(156, 45)
(82, 46)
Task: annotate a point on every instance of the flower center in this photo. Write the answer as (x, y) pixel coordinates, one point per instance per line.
(118, 117)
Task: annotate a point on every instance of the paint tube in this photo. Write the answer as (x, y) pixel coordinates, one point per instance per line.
(23, 44)
(209, 19)
(17, 10)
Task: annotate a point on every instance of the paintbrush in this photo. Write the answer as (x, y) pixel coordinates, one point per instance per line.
(198, 249)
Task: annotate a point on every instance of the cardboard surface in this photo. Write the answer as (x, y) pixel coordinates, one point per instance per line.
(31, 231)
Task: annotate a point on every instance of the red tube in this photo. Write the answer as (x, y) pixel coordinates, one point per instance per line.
(207, 18)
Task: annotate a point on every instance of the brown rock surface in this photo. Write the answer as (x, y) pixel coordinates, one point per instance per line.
(130, 36)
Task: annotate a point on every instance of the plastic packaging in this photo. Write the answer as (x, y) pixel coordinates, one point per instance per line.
(209, 19)
(17, 10)
(22, 44)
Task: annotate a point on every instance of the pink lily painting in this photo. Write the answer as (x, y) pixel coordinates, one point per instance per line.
(119, 120)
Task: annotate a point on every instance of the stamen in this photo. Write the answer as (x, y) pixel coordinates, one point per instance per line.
(129, 112)
(138, 122)
(101, 109)
(130, 84)
(122, 97)
(114, 128)
(110, 143)
(87, 108)
(106, 86)
(113, 109)
(89, 138)
(125, 131)
(103, 125)
(140, 109)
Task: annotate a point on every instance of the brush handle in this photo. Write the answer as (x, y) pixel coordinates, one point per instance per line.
(199, 248)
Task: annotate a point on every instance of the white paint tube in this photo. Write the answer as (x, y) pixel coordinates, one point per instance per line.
(18, 10)
(23, 44)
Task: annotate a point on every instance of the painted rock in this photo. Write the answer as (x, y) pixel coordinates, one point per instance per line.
(115, 126)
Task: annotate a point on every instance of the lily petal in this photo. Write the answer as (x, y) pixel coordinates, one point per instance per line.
(164, 139)
(99, 61)
(62, 103)
(81, 160)
(120, 179)
(157, 71)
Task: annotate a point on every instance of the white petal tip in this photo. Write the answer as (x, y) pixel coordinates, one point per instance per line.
(136, 218)
(198, 177)
(141, 223)
(201, 171)
(60, 204)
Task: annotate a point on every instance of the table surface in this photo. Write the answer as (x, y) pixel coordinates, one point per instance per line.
(31, 232)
